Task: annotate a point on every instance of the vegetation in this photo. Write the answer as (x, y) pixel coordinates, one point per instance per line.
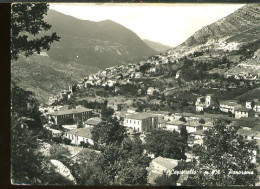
(166, 144)
(224, 153)
(27, 21)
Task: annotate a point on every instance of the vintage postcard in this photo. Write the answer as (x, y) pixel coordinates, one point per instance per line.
(135, 94)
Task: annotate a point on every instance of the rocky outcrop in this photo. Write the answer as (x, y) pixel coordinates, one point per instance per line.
(63, 170)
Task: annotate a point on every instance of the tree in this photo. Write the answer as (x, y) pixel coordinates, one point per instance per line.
(28, 165)
(165, 180)
(182, 119)
(253, 104)
(60, 153)
(202, 121)
(223, 153)
(26, 162)
(25, 105)
(89, 169)
(184, 134)
(166, 144)
(132, 176)
(107, 132)
(27, 28)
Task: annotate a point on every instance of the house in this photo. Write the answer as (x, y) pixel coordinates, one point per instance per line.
(256, 108)
(249, 134)
(207, 126)
(131, 110)
(155, 102)
(229, 106)
(138, 74)
(111, 83)
(162, 165)
(141, 122)
(174, 125)
(244, 112)
(199, 134)
(94, 121)
(80, 135)
(69, 116)
(151, 90)
(203, 102)
(54, 132)
(161, 123)
(193, 126)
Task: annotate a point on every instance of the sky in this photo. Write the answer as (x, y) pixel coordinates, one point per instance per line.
(168, 24)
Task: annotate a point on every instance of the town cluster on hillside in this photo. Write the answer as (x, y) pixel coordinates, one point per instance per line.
(205, 109)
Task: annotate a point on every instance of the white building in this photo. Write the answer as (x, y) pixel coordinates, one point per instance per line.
(141, 122)
(203, 102)
(244, 112)
(229, 106)
(256, 108)
(80, 135)
(174, 125)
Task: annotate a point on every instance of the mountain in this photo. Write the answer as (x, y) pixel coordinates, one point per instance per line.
(158, 47)
(234, 39)
(84, 48)
(99, 44)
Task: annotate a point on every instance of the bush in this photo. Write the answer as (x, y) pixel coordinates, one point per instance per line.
(57, 139)
(83, 144)
(202, 121)
(66, 141)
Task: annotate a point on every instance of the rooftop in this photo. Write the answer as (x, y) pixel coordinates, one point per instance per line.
(175, 122)
(248, 132)
(140, 116)
(193, 124)
(93, 121)
(83, 132)
(166, 162)
(199, 132)
(70, 111)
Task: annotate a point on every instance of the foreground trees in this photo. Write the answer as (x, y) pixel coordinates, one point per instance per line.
(166, 144)
(225, 159)
(27, 28)
(28, 165)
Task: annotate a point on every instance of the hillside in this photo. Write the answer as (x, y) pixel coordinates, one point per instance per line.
(158, 47)
(85, 47)
(234, 38)
(102, 44)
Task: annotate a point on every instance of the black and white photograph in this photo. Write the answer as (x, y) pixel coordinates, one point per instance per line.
(135, 94)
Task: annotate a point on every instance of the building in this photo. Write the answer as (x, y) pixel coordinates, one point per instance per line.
(138, 74)
(229, 106)
(141, 122)
(193, 126)
(80, 135)
(174, 125)
(203, 102)
(151, 90)
(162, 165)
(256, 108)
(197, 137)
(207, 126)
(161, 123)
(70, 116)
(244, 112)
(249, 134)
(94, 121)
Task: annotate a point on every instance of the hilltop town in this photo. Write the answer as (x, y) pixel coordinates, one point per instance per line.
(150, 96)
(187, 116)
